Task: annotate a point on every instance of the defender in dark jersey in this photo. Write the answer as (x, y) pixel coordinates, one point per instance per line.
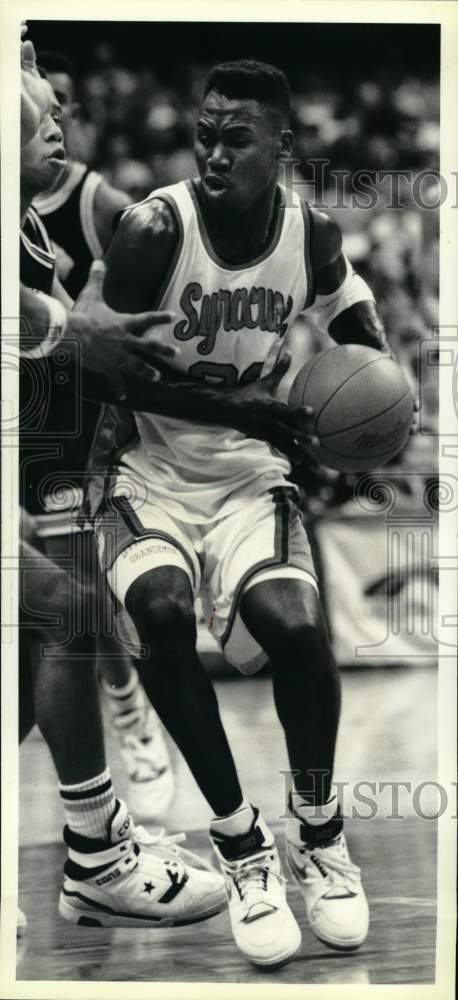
(79, 211)
(100, 834)
(80, 208)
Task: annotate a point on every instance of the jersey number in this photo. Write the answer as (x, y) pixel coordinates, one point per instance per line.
(226, 374)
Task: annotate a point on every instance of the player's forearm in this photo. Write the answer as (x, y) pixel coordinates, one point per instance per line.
(188, 399)
(360, 324)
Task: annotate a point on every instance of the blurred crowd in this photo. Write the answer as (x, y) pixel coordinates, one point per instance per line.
(137, 130)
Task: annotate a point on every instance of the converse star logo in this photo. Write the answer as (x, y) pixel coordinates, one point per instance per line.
(148, 887)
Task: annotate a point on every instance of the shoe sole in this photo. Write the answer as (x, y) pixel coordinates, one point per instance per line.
(279, 959)
(351, 946)
(96, 917)
(274, 962)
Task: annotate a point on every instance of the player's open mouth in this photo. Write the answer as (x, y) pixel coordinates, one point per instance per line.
(58, 154)
(215, 183)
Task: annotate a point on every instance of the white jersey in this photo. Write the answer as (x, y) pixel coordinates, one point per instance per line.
(231, 324)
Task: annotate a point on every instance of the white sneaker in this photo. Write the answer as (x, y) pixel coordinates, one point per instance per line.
(21, 924)
(263, 925)
(145, 756)
(330, 883)
(120, 883)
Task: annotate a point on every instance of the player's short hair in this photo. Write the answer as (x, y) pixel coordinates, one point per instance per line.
(56, 62)
(249, 79)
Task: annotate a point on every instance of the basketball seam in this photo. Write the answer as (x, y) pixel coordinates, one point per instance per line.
(343, 430)
(366, 364)
(312, 367)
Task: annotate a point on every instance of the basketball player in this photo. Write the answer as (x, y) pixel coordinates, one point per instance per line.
(115, 874)
(78, 213)
(191, 506)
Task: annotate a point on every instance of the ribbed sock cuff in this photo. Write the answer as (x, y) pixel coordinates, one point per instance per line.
(89, 805)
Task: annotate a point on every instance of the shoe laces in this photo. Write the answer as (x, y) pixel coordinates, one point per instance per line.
(166, 845)
(335, 860)
(250, 877)
(157, 861)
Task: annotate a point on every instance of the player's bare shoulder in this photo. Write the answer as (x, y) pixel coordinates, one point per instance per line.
(326, 238)
(140, 253)
(150, 220)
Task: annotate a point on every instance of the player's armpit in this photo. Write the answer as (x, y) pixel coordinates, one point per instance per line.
(139, 256)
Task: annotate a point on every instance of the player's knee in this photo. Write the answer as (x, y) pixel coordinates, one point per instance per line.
(304, 639)
(297, 640)
(161, 617)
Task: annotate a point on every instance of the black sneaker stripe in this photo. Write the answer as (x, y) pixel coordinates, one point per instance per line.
(174, 889)
(107, 909)
(80, 874)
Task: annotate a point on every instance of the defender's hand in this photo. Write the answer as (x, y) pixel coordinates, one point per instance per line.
(263, 416)
(117, 345)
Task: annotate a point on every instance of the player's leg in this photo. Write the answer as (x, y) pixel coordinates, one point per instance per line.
(153, 573)
(138, 729)
(107, 864)
(25, 688)
(264, 594)
(285, 617)
(65, 691)
(160, 602)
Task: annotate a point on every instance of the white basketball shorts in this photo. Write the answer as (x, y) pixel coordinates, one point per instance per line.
(265, 539)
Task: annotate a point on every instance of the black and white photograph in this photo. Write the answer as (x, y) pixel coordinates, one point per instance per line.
(229, 494)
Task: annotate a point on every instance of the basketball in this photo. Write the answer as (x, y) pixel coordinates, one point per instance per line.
(362, 402)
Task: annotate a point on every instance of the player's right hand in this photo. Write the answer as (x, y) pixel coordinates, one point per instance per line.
(120, 346)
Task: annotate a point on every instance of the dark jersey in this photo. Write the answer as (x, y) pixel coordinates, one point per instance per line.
(55, 434)
(68, 214)
(37, 260)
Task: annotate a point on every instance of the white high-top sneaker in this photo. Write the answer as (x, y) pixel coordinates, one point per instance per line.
(320, 865)
(125, 883)
(144, 754)
(263, 925)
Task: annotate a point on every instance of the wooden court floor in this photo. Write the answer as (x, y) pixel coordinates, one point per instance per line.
(387, 734)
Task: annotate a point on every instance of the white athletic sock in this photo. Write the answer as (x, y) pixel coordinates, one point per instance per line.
(235, 823)
(311, 813)
(89, 805)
